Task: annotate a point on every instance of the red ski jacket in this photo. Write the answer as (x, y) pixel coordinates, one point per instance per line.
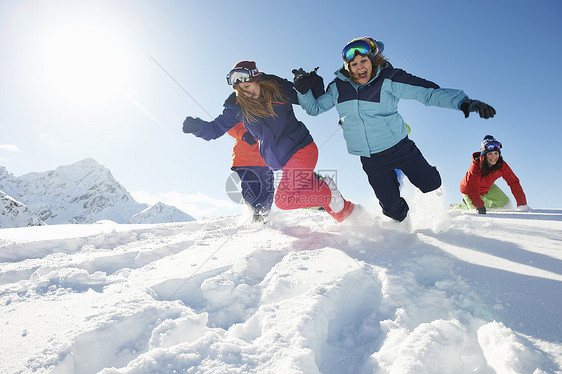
(475, 185)
(244, 154)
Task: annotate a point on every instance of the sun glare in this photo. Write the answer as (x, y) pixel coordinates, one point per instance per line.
(85, 63)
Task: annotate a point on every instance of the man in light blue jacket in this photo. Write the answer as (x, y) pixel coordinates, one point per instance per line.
(366, 92)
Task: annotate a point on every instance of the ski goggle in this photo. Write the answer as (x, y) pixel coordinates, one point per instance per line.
(241, 75)
(493, 145)
(361, 46)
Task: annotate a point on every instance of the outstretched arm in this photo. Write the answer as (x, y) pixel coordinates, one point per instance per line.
(408, 86)
(213, 129)
(315, 106)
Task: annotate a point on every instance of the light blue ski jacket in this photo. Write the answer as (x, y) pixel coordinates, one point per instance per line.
(369, 113)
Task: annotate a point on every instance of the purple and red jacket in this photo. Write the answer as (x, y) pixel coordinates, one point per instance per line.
(279, 137)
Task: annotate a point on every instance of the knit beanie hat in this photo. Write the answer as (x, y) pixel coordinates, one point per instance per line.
(490, 144)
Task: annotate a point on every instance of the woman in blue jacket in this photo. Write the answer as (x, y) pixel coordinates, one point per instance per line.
(366, 92)
(264, 104)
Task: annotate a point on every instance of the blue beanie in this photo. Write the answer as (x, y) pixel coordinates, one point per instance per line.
(490, 144)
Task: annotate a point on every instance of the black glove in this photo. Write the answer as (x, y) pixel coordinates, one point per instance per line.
(302, 80)
(248, 138)
(483, 109)
(192, 124)
(308, 81)
(481, 210)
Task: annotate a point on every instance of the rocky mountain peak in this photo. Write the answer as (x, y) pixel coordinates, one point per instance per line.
(83, 192)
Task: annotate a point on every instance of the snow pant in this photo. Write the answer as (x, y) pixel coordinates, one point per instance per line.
(405, 156)
(299, 187)
(257, 186)
(494, 198)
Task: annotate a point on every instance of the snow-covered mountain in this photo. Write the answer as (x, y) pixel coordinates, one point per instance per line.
(161, 213)
(83, 192)
(16, 214)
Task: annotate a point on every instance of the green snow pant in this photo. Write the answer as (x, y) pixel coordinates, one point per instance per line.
(494, 198)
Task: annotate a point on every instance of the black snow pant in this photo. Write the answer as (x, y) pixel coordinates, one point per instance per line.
(405, 156)
(257, 186)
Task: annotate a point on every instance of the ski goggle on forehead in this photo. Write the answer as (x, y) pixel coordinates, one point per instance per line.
(362, 47)
(493, 145)
(240, 75)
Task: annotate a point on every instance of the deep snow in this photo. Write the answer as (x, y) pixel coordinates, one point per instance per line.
(458, 293)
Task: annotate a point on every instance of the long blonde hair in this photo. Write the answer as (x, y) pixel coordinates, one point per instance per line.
(262, 107)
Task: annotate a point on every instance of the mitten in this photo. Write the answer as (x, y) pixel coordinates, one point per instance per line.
(308, 81)
(192, 124)
(317, 84)
(481, 210)
(248, 138)
(302, 80)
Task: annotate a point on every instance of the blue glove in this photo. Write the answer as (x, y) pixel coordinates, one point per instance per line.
(485, 110)
(248, 138)
(192, 124)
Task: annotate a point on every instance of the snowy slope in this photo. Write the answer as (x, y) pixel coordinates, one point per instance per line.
(462, 293)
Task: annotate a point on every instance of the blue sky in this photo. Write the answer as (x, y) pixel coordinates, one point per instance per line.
(78, 81)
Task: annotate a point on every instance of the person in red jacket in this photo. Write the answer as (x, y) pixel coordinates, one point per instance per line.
(478, 187)
(255, 176)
